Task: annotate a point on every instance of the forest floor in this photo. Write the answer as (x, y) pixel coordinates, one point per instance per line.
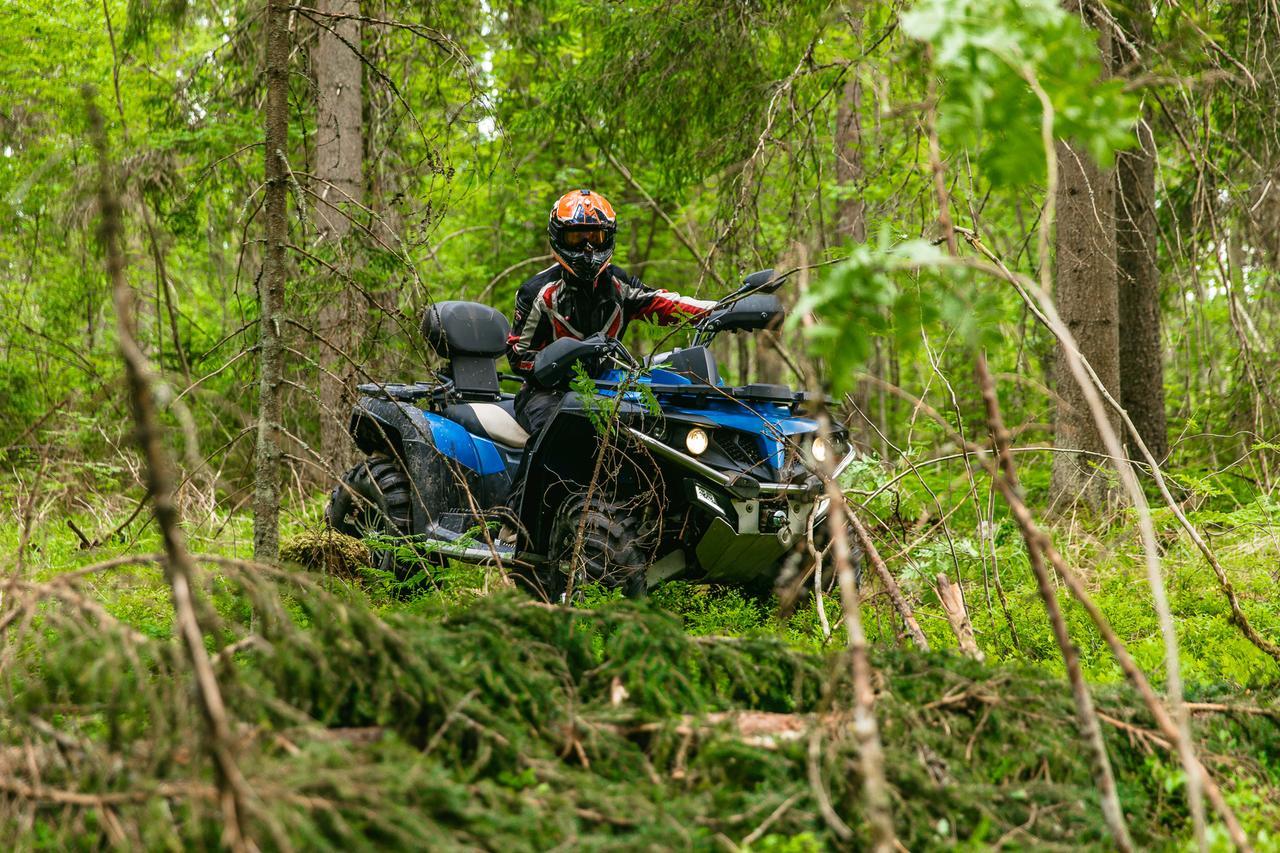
(467, 716)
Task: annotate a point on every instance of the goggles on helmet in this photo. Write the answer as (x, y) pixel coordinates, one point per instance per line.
(596, 237)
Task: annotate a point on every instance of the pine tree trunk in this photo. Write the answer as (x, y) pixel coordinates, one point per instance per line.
(851, 212)
(1141, 368)
(769, 366)
(271, 289)
(339, 158)
(1088, 300)
(851, 215)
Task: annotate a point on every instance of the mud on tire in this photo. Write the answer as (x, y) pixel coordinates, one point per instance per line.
(614, 550)
(373, 498)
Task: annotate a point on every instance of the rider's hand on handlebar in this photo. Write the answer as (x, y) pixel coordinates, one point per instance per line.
(619, 350)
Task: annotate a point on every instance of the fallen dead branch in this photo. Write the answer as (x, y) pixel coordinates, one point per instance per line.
(179, 568)
(953, 606)
(1006, 480)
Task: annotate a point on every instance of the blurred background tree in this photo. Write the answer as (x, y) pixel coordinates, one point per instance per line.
(426, 143)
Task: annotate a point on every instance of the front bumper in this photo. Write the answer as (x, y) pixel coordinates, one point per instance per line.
(740, 485)
(753, 524)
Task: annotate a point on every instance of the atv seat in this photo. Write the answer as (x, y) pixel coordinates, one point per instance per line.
(495, 421)
(471, 336)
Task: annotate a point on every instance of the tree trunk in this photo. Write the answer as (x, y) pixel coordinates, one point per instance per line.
(851, 214)
(851, 210)
(1141, 368)
(271, 288)
(1088, 301)
(339, 158)
(769, 366)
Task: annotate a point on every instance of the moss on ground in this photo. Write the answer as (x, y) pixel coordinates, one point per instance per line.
(326, 551)
(506, 724)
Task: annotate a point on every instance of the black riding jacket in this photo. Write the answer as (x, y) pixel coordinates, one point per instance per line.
(550, 306)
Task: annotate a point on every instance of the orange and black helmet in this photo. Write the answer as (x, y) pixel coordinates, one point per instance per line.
(582, 229)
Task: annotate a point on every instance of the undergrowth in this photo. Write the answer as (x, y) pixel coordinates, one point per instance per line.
(464, 716)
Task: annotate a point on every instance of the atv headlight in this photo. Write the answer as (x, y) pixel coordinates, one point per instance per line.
(697, 440)
(825, 451)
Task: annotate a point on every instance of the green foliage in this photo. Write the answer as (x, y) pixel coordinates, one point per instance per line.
(504, 723)
(478, 702)
(680, 87)
(602, 411)
(497, 720)
(893, 290)
(143, 15)
(992, 55)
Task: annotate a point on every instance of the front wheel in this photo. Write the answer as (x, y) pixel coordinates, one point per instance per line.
(793, 583)
(602, 540)
(373, 501)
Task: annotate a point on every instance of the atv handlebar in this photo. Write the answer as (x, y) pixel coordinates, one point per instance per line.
(751, 306)
(553, 367)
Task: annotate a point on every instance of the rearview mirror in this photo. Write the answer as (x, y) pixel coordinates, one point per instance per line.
(763, 281)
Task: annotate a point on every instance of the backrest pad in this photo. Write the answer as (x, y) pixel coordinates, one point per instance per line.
(457, 328)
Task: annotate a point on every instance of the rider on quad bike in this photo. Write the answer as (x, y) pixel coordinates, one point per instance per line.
(581, 295)
(691, 477)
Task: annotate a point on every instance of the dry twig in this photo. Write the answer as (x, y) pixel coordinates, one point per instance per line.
(179, 567)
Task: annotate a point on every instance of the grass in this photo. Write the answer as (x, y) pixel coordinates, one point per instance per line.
(546, 754)
(1213, 651)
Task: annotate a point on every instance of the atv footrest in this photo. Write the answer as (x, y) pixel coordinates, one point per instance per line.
(461, 522)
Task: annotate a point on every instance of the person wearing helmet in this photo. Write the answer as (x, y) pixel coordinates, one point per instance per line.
(581, 294)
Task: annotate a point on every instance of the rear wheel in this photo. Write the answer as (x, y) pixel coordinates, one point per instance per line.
(602, 540)
(373, 500)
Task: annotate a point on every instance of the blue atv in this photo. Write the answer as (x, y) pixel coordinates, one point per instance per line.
(648, 471)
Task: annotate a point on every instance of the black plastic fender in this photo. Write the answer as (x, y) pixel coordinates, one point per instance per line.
(401, 430)
(563, 458)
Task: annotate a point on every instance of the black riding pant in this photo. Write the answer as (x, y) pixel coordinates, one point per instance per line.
(534, 408)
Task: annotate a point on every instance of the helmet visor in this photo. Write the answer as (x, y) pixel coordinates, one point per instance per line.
(596, 237)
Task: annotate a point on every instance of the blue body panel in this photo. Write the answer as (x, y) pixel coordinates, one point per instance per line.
(769, 421)
(470, 451)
